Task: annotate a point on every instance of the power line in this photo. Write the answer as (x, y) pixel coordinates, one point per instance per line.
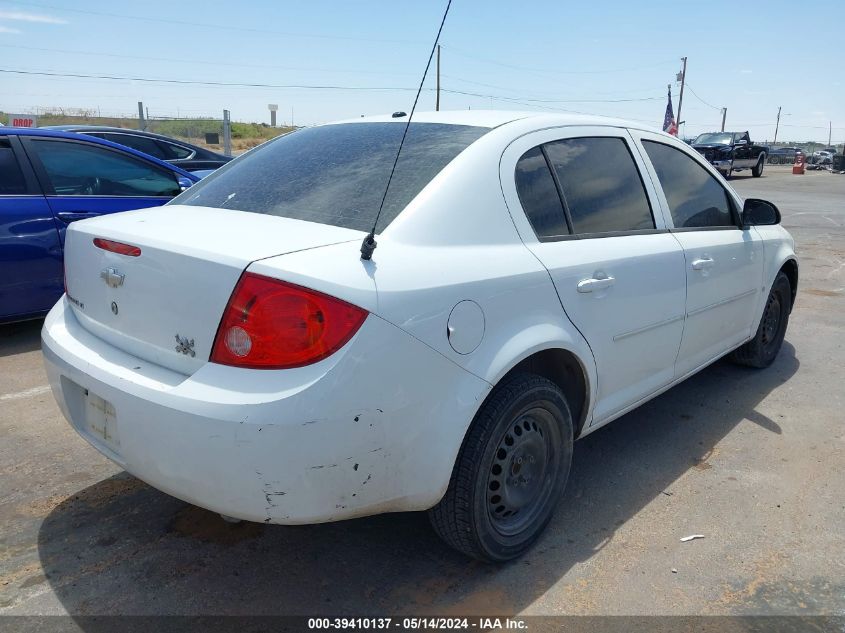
(487, 60)
(306, 86)
(194, 82)
(475, 94)
(182, 60)
(702, 100)
(521, 92)
(206, 25)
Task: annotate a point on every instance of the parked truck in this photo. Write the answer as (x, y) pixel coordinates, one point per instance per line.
(730, 152)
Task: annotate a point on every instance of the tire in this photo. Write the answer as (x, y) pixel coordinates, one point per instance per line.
(757, 170)
(762, 350)
(510, 472)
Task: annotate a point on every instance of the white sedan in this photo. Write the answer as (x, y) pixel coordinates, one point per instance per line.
(535, 277)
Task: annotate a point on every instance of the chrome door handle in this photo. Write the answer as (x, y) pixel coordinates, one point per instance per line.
(72, 216)
(588, 285)
(701, 264)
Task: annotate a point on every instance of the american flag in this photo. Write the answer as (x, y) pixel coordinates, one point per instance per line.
(669, 124)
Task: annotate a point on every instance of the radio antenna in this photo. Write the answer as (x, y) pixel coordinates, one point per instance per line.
(369, 244)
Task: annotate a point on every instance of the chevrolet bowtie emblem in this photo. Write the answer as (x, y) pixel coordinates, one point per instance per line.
(112, 277)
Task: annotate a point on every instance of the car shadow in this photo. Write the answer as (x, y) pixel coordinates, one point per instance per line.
(17, 338)
(121, 547)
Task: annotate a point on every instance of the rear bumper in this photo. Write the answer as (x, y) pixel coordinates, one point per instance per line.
(374, 428)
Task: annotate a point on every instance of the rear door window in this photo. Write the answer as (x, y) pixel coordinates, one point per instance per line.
(11, 178)
(82, 169)
(539, 196)
(335, 174)
(140, 143)
(601, 185)
(171, 151)
(696, 198)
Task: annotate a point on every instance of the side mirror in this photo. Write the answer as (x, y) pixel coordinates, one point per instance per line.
(741, 141)
(757, 212)
(184, 183)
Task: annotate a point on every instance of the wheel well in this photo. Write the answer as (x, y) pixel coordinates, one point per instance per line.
(790, 269)
(565, 370)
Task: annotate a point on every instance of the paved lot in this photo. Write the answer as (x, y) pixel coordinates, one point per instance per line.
(754, 460)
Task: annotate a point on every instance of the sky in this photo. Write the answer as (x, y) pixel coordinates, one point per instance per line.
(322, 61)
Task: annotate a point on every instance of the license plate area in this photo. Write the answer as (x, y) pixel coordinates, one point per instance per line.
(101, 420)
(94, 418)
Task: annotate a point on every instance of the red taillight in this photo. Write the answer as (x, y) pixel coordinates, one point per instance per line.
(271, 324)
(117, 247)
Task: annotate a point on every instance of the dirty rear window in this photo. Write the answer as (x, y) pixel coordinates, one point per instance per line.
(335, 174)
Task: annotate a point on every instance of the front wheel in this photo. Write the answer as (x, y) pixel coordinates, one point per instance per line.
(510, 472)
(762, 350)
(757, 170)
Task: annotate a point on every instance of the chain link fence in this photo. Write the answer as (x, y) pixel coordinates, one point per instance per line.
(203, 131)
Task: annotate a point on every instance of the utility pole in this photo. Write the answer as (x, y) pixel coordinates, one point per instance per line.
(829, 132)
(777, 124)
(437, 103)
(142, 125)
(227, 134)
(681, 96)
(724, 114)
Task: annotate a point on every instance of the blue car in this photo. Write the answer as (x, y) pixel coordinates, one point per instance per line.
(48, 180)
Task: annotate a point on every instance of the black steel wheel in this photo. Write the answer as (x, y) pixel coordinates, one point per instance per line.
(521, 478)
(510, 472)
(770, 329)
(762, 350)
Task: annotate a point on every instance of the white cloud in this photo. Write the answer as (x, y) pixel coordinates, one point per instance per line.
(30, 17)
(746, 72)
(6, 29)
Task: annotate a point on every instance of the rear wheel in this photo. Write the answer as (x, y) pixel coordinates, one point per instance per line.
(510, 472)
(757, 170)
(762, 350)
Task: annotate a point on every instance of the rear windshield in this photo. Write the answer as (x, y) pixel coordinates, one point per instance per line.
(335, 174)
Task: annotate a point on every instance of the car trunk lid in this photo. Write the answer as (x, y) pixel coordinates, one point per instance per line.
(164, 305)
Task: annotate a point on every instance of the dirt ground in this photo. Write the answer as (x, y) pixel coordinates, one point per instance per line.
(753, 460)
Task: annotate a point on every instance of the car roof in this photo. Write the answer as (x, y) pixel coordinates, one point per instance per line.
(122, 130)
(53, 133)
(496, 118)
(107, 128)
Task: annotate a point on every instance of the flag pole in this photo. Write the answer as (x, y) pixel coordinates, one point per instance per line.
(681, 96)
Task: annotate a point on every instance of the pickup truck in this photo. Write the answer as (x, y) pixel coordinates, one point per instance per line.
(731, 151)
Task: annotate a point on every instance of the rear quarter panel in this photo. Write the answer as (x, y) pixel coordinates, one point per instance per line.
(455, 242)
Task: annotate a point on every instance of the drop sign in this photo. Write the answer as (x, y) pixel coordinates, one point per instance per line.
(22, 120)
